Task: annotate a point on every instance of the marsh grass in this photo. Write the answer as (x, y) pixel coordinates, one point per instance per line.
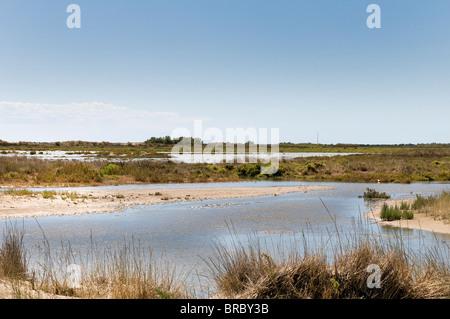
(334, 266)
(46, 194)
(248, 271)
(13, 261)
(396, 212)
(405, 165)
(126, 271)
(437, 206)
(371, 194)
(19, 192)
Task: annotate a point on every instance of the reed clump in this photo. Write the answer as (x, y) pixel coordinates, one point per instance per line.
(395, 212)
(354, 267)
(13, 261)
(248, 272)
(437, 206)
(124, 272)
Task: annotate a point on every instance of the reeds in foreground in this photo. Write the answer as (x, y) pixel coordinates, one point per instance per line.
(249, 272)
(437, 206)
(127, 272)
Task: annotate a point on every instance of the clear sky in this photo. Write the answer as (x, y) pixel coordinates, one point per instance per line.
(137, 69)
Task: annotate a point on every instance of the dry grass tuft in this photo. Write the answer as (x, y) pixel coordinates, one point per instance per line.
(247, 272)
(238, 271)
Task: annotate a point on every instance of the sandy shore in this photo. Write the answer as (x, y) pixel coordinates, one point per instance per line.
(103, 201)
(420, 221)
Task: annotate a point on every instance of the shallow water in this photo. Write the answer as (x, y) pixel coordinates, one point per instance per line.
(184, 232)
(188, 157)
(185, 157)
(51, 155)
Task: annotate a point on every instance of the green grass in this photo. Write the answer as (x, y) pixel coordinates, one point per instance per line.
(437, 206)
(13, 259)
(390, 213)
(126, 271)
(242, 270)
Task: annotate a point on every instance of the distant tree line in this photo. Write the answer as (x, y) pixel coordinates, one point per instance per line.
(167, 140)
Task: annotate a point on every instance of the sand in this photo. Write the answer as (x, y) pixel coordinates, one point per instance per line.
(419, 222)
(104, 201)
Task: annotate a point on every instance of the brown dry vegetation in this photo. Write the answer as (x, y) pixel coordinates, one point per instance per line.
(436, 206)
(399, 167)
(240, 271)
(248, 272)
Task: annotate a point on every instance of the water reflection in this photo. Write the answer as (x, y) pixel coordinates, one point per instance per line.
(184, 232)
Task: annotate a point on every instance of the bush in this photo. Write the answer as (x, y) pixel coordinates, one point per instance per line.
(422, 202)
(111, 169)
(13, 263)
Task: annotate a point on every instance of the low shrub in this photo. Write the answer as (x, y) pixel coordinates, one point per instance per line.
(373, 194)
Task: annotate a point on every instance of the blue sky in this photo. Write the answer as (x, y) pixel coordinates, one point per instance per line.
(138, 69)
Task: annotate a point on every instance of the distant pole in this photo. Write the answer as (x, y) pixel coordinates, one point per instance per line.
(317, 138)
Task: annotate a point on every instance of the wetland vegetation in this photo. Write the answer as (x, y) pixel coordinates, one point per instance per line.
(242, 271)
(389, 164)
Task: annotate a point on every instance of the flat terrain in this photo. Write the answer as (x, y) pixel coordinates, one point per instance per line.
(419, 222)
(36, 205)
(141, 163)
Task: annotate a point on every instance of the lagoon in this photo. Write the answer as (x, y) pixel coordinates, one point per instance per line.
(184, 232)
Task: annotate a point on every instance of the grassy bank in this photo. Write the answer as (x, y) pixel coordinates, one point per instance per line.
(437, 206)
(237, 271)
(248, 272)
(399, 167)
(421, 165)
(396, 212)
